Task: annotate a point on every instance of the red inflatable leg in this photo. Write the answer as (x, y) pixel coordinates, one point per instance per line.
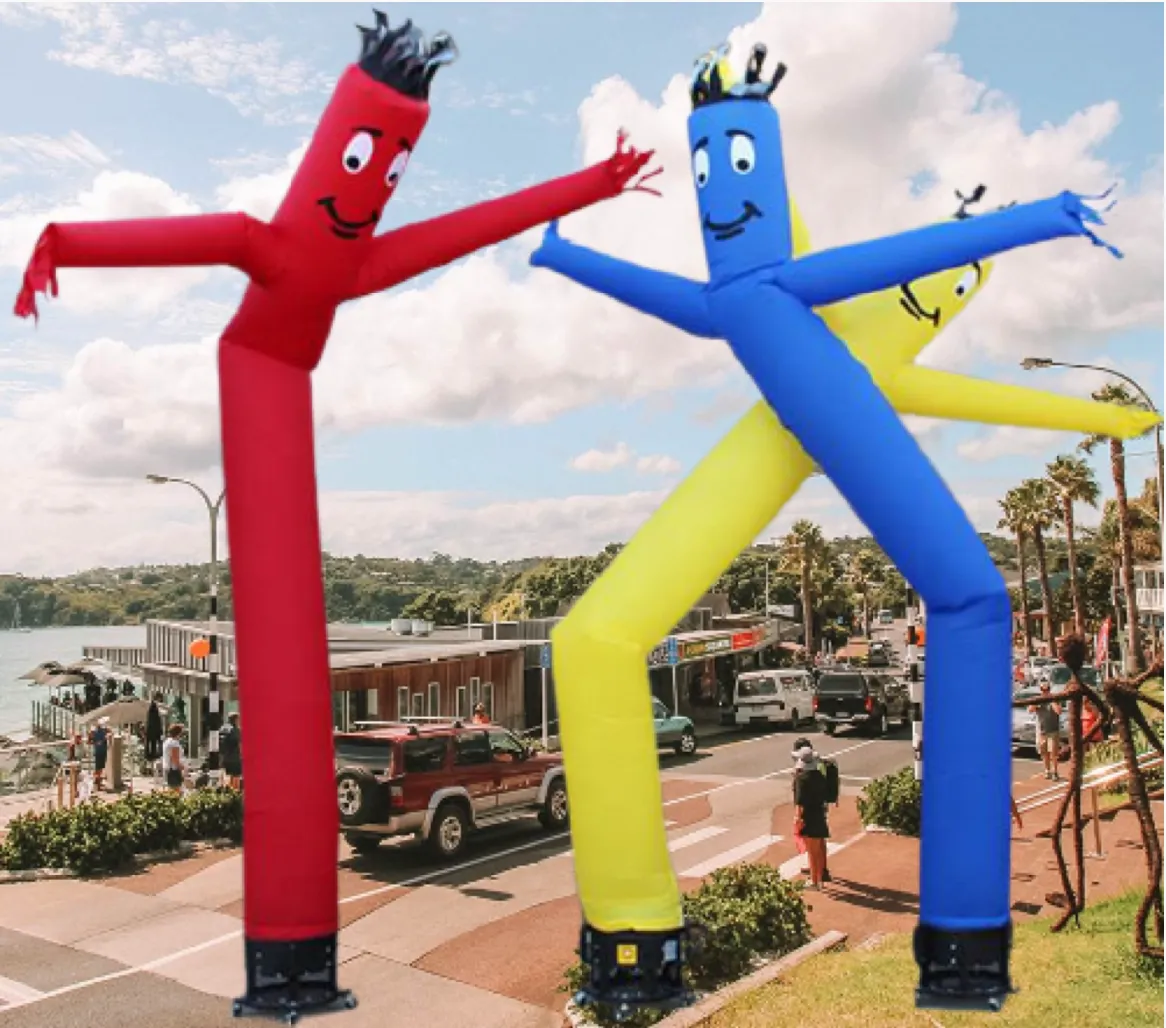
(291, 819)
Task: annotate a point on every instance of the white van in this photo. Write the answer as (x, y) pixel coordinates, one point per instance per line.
(781, 697)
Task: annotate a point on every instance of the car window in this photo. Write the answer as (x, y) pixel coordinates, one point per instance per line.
(756, 687)
(423, 755)
(376, 754)
(505, 748)
(471, 748)
(659, 711)
(841, 684)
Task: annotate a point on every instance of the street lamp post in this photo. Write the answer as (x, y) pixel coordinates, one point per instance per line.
(214, 716)
(1036, 363)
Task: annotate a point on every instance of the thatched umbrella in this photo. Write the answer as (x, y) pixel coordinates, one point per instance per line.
(121, 712)
(42, 671)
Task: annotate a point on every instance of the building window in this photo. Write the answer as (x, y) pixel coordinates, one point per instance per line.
(475, 692)
(373, 703)
(488, 699)
(419, 704)
(434, 699)
(463, 702)
(402, 703)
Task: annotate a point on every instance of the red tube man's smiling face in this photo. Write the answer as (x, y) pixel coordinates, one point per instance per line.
(365, 138)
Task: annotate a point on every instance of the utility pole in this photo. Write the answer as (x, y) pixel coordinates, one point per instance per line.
(916, 687)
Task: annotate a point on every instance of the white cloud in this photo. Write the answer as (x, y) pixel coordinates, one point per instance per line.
(259, 194)
(1005, 441)
(112, 195)
(603, 460)
(657, 464)
(48, 155)
(254, 76)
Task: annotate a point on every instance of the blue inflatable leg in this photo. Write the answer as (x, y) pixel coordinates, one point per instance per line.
(830, 403)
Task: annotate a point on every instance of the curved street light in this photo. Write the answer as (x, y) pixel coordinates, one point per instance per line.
(1036, 363)
(214, 718)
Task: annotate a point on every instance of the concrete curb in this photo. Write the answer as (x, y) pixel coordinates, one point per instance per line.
(183, 850)
(691, 1017)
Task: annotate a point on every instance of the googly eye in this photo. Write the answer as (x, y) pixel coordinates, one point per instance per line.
(741, 154)
(358, 153)
(966, 284)
(700, 167)
(397, 169)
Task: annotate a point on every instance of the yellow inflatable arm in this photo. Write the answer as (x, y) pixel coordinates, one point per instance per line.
(942, 394)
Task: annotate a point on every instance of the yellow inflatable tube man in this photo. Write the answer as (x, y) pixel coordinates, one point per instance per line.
(624, 876)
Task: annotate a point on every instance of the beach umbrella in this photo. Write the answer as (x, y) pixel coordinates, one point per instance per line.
(59, 678)
(121, 713)
(42, 671)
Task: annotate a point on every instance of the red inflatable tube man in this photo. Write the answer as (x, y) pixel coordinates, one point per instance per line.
(318, 251)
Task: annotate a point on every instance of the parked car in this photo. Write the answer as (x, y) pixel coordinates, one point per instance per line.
(673, 730)
(1059, 676)
(782, 697)
(885, 617)
(440, 782)
(865, 699)
(1034, 666)
(1024, 720)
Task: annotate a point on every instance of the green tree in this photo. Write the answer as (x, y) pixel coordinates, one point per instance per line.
(1074, 482)
(1117, 464)
(1015, 520)
(803, 549)
(1039, 507)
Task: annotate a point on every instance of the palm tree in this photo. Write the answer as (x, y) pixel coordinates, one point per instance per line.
(1073, 479)
(865, 571)
(802, 548)
(1015, 521)
(1117, 463)
(1038, 507)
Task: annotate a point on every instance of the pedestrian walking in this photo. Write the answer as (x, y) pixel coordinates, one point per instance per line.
(231, 751)
(173, 762)
(480, 716)
(99, 740)
(810, 800)
(1048, 733)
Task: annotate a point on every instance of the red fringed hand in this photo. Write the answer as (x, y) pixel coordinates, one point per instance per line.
(40, 276)
(626, 162)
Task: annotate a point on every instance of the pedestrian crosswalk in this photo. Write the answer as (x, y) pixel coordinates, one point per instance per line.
(731, 856)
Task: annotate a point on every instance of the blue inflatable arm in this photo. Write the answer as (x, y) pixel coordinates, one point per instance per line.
(671, 298)
(830, 276)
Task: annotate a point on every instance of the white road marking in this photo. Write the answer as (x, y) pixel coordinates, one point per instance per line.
(15, 993)
(793, 867)
(692, 838)
(728, 857)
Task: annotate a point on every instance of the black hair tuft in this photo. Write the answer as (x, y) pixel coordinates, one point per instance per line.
(401, 58)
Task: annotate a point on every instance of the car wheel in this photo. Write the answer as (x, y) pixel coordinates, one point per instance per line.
(555, 813)
(363, 844)
(449, 831)
(687, 744)
(829, 729)
(356, 797)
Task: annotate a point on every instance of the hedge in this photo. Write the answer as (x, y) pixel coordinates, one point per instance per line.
(893, 801)
(747, 911)
(97, 836)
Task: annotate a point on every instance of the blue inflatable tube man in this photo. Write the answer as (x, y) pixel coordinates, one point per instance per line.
(761, 301)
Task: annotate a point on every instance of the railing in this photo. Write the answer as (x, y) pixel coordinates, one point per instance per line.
(1098, 778)
(1149, 599)
(168, 643)
(119, 658)
(54, 721)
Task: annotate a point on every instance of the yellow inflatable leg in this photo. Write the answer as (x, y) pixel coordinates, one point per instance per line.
(942, 394)
(622, 868)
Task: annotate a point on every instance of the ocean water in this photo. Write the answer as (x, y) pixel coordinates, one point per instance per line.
(22, 651)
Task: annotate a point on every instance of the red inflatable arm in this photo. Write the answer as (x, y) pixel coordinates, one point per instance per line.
(235, 240)
(412, 250)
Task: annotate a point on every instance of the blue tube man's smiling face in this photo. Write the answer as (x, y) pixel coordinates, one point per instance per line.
(739, 173)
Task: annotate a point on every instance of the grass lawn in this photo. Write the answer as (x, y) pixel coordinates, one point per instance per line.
(1087, 976)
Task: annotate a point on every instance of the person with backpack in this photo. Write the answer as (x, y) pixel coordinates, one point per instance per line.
(815, 780)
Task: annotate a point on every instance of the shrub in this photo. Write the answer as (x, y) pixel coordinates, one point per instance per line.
(893, 801)
(747, 911)
(97, 836)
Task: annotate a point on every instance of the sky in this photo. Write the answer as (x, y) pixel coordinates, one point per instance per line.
(493, 411)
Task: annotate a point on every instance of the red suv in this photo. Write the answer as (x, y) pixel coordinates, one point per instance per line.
(439, 781)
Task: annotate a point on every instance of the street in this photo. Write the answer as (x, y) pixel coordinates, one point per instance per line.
(483, 941)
